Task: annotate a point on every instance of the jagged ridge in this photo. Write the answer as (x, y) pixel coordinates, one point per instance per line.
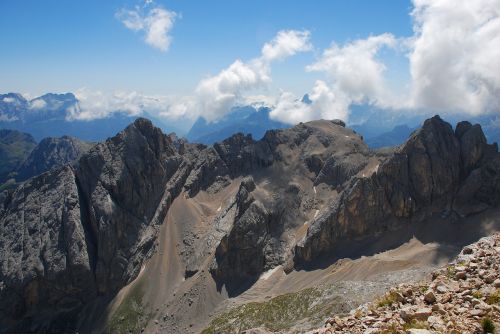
(76, 233)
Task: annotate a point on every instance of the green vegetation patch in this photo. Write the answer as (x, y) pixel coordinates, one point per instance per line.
(416, 324)
(451, 271)
(494, 298)
(388, 299)
(488, 325)
(280, 313)
(392, 329)
(131, 314)
(477, 294)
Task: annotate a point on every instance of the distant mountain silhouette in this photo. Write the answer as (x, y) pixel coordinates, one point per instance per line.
(246, 119)
(15, 147)
(396, 136)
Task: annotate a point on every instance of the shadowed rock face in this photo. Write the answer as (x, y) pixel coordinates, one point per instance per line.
(50, 153)
(239, 254)
(77, 232)
(15, 146)
(82, 231)
(123, 182)
(46, 262)
(436, 171)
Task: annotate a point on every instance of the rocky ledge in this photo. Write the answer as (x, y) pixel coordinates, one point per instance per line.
(463, 297)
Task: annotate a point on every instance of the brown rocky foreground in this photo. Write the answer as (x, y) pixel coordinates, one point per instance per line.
(463, 297)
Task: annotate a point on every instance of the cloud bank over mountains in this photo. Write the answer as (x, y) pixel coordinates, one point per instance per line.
(214, 96)
(95, 104)
(452, 57)
(354, 76)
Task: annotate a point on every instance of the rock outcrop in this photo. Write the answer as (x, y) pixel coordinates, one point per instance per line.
(47, 254)
(261, 237)
(244, 240)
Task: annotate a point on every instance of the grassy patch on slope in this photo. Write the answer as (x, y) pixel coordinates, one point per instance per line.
(280, 313)
(131, 314)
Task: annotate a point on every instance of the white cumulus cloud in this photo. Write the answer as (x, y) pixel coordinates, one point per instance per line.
(354, 68)
(37, 104)
(453, 59)
(285, 44)
(156, 24)
(355, 75)
(325, 104)
(214, 96)
(9, 100)
(455, 55)
(96, 104)
(290, 109)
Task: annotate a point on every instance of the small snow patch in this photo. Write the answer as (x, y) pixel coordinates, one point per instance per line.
(316, 213)
(269, 273)
(220, 207)
(314, 188)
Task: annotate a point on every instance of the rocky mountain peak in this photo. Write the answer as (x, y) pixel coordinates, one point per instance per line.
(64, 97)
(234, 210)
(157, 141)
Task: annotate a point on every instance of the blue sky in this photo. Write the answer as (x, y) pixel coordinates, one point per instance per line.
(65, 45)
(183, 59)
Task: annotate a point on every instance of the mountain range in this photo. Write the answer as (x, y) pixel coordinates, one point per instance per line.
(50, 115)
(145, 232)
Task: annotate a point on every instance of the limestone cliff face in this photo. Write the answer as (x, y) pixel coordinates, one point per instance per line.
(47, 253)
(77, 232)
(123, 181)
(436, 171)
(84, 230)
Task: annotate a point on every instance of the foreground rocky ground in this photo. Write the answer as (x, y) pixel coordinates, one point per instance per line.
(463, 297)
(298, 312)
